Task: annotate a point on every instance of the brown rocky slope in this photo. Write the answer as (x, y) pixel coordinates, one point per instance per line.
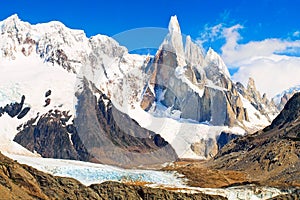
(270, 156)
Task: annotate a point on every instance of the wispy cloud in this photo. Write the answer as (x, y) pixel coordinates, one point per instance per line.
(296, 34)
(210, 34)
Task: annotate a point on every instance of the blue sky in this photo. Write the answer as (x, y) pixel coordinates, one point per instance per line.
(259, 32)
(261, 18)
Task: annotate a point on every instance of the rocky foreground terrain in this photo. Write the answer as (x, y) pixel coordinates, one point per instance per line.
(24, 182)
(18, 181)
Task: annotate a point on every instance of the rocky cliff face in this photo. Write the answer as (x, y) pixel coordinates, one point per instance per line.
(51, 137)
(270, 156)
(113, 137)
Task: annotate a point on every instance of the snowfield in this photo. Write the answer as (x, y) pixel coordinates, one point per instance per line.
(31, 77)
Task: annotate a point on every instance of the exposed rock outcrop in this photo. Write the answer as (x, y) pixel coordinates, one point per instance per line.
(51, 137)
(224, 138)
(48, 93)
(208, 148)
(15, 109)
(23, 112)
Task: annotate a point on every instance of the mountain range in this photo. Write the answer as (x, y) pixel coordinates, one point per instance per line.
(66, 96)
(175, 103)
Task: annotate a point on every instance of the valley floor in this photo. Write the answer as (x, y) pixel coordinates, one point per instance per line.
(195, 178)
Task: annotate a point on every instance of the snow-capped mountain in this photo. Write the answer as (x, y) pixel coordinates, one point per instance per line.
(114, 107)
(200, 90)
(281, 99)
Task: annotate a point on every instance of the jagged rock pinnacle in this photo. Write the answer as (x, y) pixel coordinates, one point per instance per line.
(193, 53)
(173, 41)
(174, 25)
(251, 84)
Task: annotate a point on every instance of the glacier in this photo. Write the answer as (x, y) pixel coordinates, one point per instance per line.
(91, 173)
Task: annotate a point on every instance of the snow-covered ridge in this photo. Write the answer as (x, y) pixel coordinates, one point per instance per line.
(291, 90)
(53, 42)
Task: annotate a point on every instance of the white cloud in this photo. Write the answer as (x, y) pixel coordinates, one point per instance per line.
(235, 54)
(210, 34)
(296, 34)
(271, 76)
(267, 61)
